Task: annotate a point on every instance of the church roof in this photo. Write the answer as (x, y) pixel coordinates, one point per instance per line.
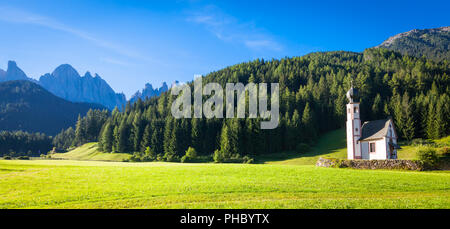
(374, 129)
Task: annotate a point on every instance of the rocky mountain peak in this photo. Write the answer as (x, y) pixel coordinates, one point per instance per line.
(432, 43)
(88, 75)
(2, 74)
(66, 82)
(149, 92)
(13, 72)
(65, 70)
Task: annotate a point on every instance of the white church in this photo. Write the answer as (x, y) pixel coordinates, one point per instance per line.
(374, 140)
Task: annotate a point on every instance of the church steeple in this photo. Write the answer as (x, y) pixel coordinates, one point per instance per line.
(352, 94)
(353, 124)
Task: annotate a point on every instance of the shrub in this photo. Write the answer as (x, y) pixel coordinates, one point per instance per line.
(420, 141)
(23, 158)
(7, 157)
(302, 148)
(171, 157)
(218, 156)
(136, 157)
(445, 152)
(428, 156)
(190, 155)
(149, 155)
(247, 160)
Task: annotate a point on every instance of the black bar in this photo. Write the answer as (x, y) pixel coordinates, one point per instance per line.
(259, 218)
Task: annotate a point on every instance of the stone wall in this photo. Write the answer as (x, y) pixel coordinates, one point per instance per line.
(371, 164)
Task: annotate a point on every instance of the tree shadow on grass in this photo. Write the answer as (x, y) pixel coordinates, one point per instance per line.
(11, 170)
(328, 143)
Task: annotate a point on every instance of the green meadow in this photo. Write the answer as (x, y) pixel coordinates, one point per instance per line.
(87, 184)
(285, 180)
(90, 152)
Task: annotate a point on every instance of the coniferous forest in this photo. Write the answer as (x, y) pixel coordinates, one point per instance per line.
(19, 143)
(413, 91)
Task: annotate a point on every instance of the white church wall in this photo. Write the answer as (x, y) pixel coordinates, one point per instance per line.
(349, 140)
(365, 150)
(380, 150)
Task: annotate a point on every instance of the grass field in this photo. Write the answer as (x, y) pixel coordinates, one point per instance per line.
(88, 184)
(333, 144)
(286, 180)
(90, 152)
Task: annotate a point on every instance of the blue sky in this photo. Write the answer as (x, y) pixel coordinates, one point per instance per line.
(130, 43)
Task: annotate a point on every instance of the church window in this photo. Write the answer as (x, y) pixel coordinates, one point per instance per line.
(356, 110)
(372, 147)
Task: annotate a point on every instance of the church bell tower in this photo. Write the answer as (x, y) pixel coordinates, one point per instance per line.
(353, 125)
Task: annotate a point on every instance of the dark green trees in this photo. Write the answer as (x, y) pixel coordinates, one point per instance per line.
(414, 91)
(19, 143)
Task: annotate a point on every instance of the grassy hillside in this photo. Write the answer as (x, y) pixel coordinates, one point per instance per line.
(333, 144)
(90, 152)
(88, 184)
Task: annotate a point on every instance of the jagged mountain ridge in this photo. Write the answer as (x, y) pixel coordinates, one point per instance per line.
(149, 92)
(65, 82)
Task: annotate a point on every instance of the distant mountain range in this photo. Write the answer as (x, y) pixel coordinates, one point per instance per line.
(66, 82)
(26, 106)
(431, 43)
(149, 92)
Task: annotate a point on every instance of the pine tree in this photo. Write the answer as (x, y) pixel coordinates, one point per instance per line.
(123, 138)
(146, 137)
(107, 138)
(137, 131)
(80, 133)
(157, 136)
(226, 146)
(308, 124)
(116, 139)
(250, 136)
(440, 123)
(235, 138)
(196, 134)
(377, 107)
(170, 138)
(294, 133)
(431, 124)
(408, 122)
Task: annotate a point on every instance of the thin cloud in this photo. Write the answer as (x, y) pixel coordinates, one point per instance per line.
(229, 29)
(262, 44)
(115, 61)
(18, 16)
